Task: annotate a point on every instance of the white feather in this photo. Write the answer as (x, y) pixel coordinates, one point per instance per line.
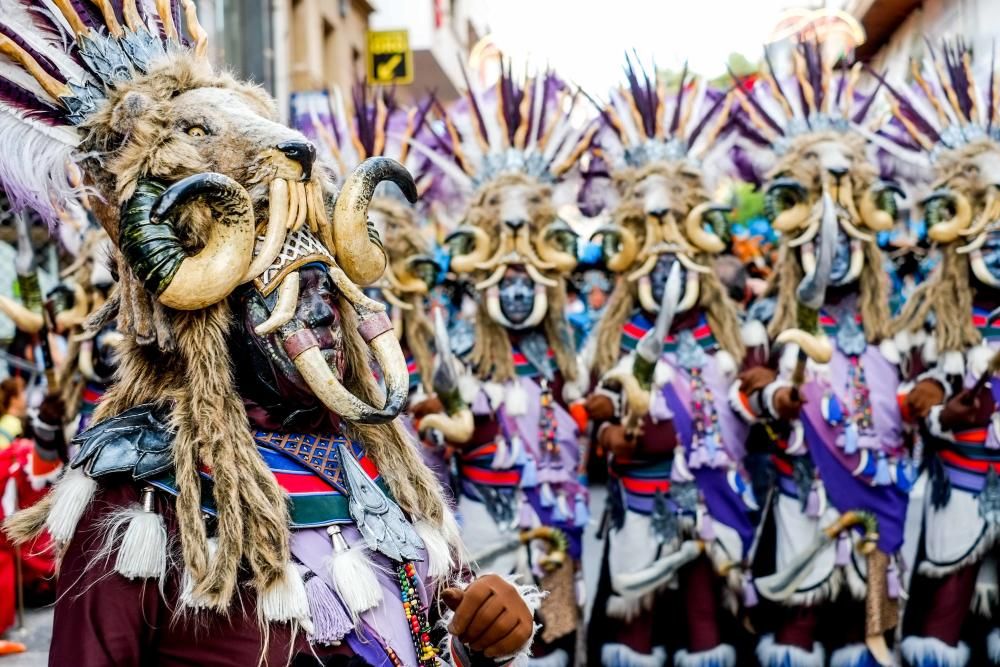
(17, 18)
(450, 169)
(930, 76)
(347, 151)
(625, 116)
(537, 104)
(699, 101)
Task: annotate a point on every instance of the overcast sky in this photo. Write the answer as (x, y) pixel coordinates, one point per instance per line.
(585, 40)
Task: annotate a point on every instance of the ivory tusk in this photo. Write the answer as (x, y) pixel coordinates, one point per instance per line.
(480, 250)
(284, 307)
(26, 320)
(274, 235)
(854, 232)
(524, 248)
(857, 263)
(534, 318)
(808, 235)
(293, 206)
(303, 203)
(456, 428)
(696, 234)
(537, 276)
(646, 299)
(85, 360)
(310, 197)
(981, 271)
(792, 219)
(691, 293)
(395, 301)
(817, 348)
(691, 265)
(494, 278)
(643, 270)
(974, 244)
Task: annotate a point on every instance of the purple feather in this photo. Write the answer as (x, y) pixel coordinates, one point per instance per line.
(46, 64)
(693, 135)
(906, 108)
(867, 104)
(993, 64)
(774, 76)
(477, 112)
(25, 101)
(755, 103)
(90, 17)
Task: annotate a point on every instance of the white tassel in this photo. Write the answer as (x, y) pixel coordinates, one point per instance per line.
(188, 598)
(495, 393)
(143, 550)
(889, 350)
(953, 363)
(516, 399)
(352, 575)
(72, 495)
(439, 559)
(663, 374)
(753, 334)
(468, 388)
(726, 365)
(501, 456)
(285, 600)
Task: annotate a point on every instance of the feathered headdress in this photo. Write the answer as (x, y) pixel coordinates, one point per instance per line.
(815, 99)
(61, 58)
(528, 127)
(650, 122)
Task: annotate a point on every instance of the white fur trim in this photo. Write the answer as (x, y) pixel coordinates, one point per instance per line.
(904, 341)
(889, 350)
(558, 658)
(929, 350)
(938, 376)
(722, 655)
(663, 373)
(468, 388)
(771, 654)
(495, 393)
(571, 392)
(852, 655)
(754, 334)
(934, 424)
(953, 363)
(736, 403)
(768, 392)
(515, 399)
(978, 359)
(285, 600)
(439, 558)
(39, 482)
(726, 364)
(619, 655)
(72, 495)
(932, 652)
(993, 646)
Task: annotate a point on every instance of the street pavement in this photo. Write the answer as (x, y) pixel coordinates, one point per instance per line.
(37, 631)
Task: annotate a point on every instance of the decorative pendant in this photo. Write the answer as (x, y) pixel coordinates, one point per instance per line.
(850, 336)
(416, 618)
(833, 411)
(379, 520)
(851, 438)
(689, 353)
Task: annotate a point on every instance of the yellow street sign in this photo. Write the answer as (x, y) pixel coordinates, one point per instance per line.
(389, 57)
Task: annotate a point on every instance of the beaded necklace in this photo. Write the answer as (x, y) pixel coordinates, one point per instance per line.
(416, 619)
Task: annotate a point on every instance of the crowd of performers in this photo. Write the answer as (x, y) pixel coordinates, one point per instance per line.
(339, 393)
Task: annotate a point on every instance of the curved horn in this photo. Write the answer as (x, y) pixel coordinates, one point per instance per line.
(274, 234)
(25, 319)
(480, 249)
(696, 234)
(817, 348)
(535, 317)
(793, 217)
(946, 231)
(563, 261)
(284, 307)
(878, 206)
(75, 316)
(407, 281)
(358, 248)
(629, 246)
(148, 240)
(456, 428)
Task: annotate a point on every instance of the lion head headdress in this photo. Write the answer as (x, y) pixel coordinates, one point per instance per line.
(220, 217)
(654, 143)
(816, 124)
(948, 120)
(507, 150)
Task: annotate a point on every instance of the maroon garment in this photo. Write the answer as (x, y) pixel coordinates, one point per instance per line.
(104, 619)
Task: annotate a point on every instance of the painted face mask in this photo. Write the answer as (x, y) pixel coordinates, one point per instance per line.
(517, 296)
(841, 259)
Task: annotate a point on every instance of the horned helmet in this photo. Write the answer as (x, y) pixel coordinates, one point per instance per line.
(816, 124)
(947, 122)
(655, 140)
(214, 209)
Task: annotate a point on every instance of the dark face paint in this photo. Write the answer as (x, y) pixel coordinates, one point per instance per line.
(991, 253)
(264, 373)
(661, 271)
(841, 258)
(517, 296)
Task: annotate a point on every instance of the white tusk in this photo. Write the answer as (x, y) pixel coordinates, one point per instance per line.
(691, 291)
(494, 278)
(537, 276)
(293, 206)
(643, 270)
(310, 197)
(274, 235)
(974, 244)
(807, 235)
(303, 202)
(691, 265)
(284, 308)
(646, 295)
(981, 271)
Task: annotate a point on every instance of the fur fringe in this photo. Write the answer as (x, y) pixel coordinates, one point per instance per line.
(440, 562)
(620, 655)
(932, 652)
(722, 655)
(70, 499)
(771, 654)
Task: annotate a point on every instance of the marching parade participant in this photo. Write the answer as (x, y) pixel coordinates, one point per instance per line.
(518, 470)
(245, 450)
(827, 396)
(947, 123)
(666, 351)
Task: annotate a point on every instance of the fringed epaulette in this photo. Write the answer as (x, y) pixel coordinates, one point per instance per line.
(137, 441)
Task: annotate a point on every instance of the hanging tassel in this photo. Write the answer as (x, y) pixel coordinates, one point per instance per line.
(749, 592)
(352, 575)
(699, 457)
(516, 399)
(548, 498)
(892, 582)
(501, 455)
(285, 600)
(882, 477)
(526, 515)
(658, 408)
(581, 513)
(72, 495)
(843, 556)
(188, 598)
(851, 438)
(529, 474)
(516, 451)
(679, 471)
(330, 621)
(439, 559)
(143, 550)
(561, 511)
